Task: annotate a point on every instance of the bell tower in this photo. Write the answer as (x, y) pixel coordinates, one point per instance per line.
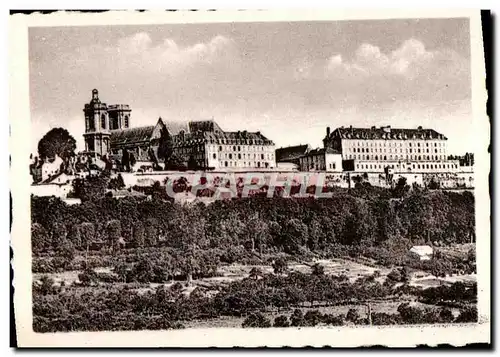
(97, 126)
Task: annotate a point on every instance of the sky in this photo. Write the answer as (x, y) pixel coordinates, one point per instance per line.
(289, 80)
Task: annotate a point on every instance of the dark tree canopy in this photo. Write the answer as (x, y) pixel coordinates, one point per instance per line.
(57, 141)
(166, 147)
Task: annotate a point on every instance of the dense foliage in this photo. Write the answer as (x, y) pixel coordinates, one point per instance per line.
(57, 141)
(377, 227)
(58, 309)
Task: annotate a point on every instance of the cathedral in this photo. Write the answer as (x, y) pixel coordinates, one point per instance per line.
(108, 131)
(108, 134)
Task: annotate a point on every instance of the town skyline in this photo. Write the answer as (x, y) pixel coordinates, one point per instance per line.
(301, 77)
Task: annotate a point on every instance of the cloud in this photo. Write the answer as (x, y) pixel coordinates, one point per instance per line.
(408, 61)
(410, 72)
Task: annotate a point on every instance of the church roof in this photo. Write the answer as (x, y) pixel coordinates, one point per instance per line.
(203, 125)
(175, 127)
(131, 135)
(291, 153)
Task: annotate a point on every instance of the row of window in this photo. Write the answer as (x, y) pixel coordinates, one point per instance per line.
(238, 141)
(113, 124)
(396, 157)
(370, 143)
(390, 150)
(413, 166)
(230, 156)
(235, 148)
(190, 149)
(257, 164)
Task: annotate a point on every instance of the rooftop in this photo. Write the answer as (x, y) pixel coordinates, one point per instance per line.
(387, 133)
(291, 153)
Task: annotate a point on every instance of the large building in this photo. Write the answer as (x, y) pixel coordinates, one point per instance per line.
(199, 144)
(402, 150)
(213, 148)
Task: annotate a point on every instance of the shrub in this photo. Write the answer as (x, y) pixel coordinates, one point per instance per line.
(256, 320)
(469, 314)
(281, 321)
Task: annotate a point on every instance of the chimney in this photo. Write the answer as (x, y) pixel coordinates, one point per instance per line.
(327, 131)
(373, 127)
(419, 128)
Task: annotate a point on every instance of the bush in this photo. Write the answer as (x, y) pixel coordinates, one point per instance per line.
(256, 320)
(469, 314)
(281, 321)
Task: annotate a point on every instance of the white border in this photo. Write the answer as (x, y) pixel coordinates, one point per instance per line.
(338, 337)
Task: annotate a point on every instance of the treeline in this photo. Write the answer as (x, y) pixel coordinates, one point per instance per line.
(59, 309)
(406, 315)
(349, 222)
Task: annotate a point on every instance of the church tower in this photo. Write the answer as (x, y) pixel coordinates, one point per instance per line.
(97, 126)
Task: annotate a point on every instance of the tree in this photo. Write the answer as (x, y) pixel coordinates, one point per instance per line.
(59, 234)
(318, 269)
(469, 314)
(125, 160)
(175, 163)
(401, 188)
(352, 315)
(192, 165)
(166, 146)
(91, 188)
(114, 232)
(446, 316)
(57, 141)
(255, 273)
(75, 236)
(116, 183)
(279, 266)
(138, 234)
(87, 230)
(256, 320)
(40, 240)
(257, 231)
(121, 271)
(297, 318)
(296, 235)
(133, 160)
(281, 321)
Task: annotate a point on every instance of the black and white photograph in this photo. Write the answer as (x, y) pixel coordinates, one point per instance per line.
(271, 177)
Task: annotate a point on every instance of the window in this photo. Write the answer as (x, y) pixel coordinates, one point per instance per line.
(103, 121)
(126, 121)
(234, 148)
(262, 156)
(225, 163)
(230, 156)
(215, 156)
(220, 148)
(239, 148)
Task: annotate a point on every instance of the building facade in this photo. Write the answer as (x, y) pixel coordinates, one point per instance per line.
(323, 159)
(207, 146)
(198, 144)
(403, 150)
